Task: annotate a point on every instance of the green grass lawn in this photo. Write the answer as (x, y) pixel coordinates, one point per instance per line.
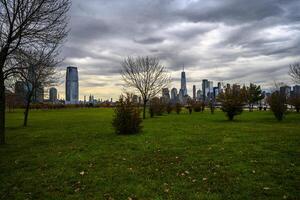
(74, 154)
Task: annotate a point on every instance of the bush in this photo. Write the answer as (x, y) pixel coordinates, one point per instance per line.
(295, 101)
(169, 108)
(232, 102)
(212, 106)
(127, 118)
(277, 102)
(157, 107)
(197, 106)
(178, 108)
(189, 108)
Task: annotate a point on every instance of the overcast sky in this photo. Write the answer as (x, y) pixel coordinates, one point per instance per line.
(236, 41)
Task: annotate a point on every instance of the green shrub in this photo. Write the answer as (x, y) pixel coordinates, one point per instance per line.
(178, 108)
(169, 108)
(127, 118)
(232, 102)
(197, 107)
(157, 107)
(294, 100)
(189, 108)
(277, 102)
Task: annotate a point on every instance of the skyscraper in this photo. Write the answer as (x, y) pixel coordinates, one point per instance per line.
(166, 95)
(199, 95)
(53, 94)
(296, 90)
(72, 86)
(205, 88)
(174, 94)
(183, 83)
(194, 92)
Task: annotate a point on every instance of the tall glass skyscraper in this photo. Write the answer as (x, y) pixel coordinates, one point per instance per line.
(72, 86)
(183, 83)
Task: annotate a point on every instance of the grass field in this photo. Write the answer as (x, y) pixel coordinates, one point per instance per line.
(74, 154)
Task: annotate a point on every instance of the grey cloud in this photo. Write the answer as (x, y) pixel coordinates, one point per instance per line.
(150, 40)
(201, 34)
(92, 84)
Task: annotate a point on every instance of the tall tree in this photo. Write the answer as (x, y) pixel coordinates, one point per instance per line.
(38, 71)
(295, 72)
(146, 75)
(27, 24)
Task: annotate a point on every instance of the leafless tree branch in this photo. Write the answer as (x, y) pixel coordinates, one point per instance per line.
(146, 75)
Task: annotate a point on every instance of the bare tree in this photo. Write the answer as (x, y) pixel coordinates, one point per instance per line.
(146, 75)
(38, 71)
(27, 24)
(295, 72)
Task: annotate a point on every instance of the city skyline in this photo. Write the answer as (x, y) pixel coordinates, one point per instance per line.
(232, 41)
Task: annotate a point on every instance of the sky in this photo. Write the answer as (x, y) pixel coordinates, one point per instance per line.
(234, 41)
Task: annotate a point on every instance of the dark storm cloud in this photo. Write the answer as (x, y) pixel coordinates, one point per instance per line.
(232, 11)
(150, 40)
(203, 35)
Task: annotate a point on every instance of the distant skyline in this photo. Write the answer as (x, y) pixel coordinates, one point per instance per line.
(232, 41)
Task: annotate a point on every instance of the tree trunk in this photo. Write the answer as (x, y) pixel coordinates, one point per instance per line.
(144, 109)
(3, 56)
(27, 109)
(2, 108)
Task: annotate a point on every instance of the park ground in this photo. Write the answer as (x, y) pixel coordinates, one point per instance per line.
(75, 154)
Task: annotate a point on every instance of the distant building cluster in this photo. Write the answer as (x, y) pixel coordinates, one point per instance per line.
(289, 91)
(206, 93)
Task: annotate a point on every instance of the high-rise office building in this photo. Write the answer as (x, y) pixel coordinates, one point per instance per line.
(166, 94)
(296, 90)
(194, 92)
(199, 94)
(183, 83)
(285, 90)
(53, 94)
(205, 89)
(173, 94)
(72, 86)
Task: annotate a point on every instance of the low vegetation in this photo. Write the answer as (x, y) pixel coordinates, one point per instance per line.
(277, 102)
(75, 154)
(232, 101)
(127, 118)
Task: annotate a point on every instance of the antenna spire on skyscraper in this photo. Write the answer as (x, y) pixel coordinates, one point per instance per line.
(183, 67)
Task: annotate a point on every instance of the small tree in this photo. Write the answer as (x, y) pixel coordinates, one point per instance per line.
(178, 108)
(212, 106)
(232, 102)
(295, 72)
(146, 75)
(197, 106)
(169, 107)
(127, 118)
(277, 102)
(156, 107)
(202, 103)
(38, 71)
(253, 94)
(189, 108)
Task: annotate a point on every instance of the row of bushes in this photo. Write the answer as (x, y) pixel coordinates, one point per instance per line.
(127, 118)
(50, 106)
